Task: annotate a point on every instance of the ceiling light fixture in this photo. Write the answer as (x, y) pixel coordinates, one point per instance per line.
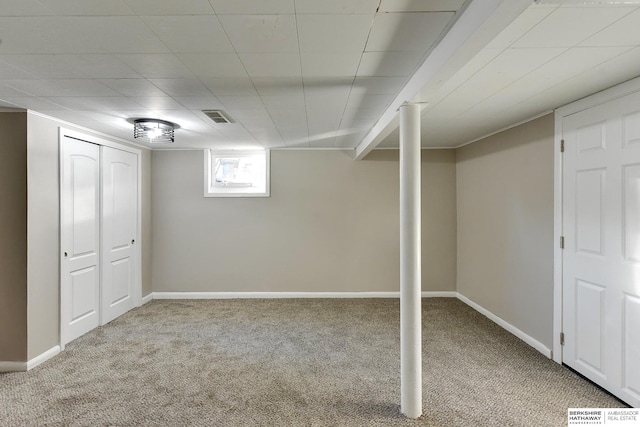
(155, 130)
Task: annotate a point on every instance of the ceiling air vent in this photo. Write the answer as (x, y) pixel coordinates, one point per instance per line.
(217, 116)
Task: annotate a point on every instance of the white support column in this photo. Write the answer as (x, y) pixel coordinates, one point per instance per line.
(410, 258)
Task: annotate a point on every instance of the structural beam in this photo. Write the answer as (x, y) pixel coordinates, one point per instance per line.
(410, 260)
(475, 26)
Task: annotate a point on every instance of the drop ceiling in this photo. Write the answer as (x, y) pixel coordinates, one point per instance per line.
(309, 73)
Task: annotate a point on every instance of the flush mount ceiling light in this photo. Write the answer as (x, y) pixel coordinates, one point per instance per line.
(155, 130)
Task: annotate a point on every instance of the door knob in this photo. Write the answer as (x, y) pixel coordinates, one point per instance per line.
(133, 241)
(65, 254)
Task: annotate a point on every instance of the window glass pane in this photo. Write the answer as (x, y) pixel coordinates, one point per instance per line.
(237, 173)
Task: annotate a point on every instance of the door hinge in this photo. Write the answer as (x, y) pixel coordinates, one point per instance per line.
(561, 338)
(562, 145)
(561, 242)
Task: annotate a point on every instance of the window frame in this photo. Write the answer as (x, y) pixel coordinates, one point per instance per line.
(209, 157)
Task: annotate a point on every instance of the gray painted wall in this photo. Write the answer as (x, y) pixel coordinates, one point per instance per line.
(331, 224)
(43, 237)
(13, 236)
(505, 226)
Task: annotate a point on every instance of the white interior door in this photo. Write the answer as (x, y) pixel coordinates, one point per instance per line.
(80, 238)
(119, 231)
(601, 260)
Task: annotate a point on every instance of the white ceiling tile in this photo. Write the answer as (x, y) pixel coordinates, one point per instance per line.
(475, 64)
(230, 85)
(369, 101)
(180, 87)
(87, 34)
(336, 6)
(283, 102)
(348, 33)
(388, 64)
(252, 7)
(94, 103)
(252, 118)
(23, 8)
(566, 27)
(9, 70)
(277, 85)
(105, 66)
(33, 103)
(330, 98)
(72, 66)
(237, 133)
(159, 66)
(523, 23)
(618, 69)
(289, 118)
(322, 121)
(357, 126)
(184, 118)
(415, 32)
(271, 64)
(133, 87)
(182, 7)
(356, 114)
(561, 68)
(112, 34)
(214, 65)
(200, 102)
(79, 118)
(505, 69)
(322, 64)
(10, 91)
(190, 34)
(623, 33)
(159, 103)
(261, 33)
(121, 116)
(241, 102)
(87, 7)
(420, 5)
(109, 117)
(62, 87)
(379, 85)
(293, 136)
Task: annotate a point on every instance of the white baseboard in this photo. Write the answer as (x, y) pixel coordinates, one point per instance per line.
(508, 326)
(52, 352)
(147, 298)
(25, 366)
(272, 295)
(438, 294)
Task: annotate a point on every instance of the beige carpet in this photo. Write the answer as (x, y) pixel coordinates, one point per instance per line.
(292, 363)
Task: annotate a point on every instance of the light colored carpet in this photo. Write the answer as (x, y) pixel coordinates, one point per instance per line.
(308, 362)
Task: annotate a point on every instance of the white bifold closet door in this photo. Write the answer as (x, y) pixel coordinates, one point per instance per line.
(99, 222)
(80, 238)
(601, 260)
(119, 224)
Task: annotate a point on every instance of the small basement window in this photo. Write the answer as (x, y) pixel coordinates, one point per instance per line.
(236, 173)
